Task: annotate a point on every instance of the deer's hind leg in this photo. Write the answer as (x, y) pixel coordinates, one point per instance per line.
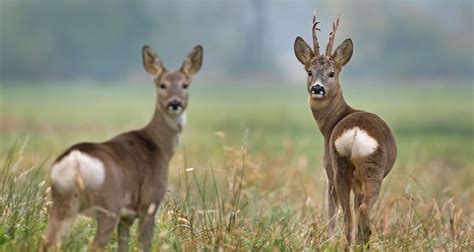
(106, 223)
(343, 182)
(358, 197)
(62, 215)
(369, 174)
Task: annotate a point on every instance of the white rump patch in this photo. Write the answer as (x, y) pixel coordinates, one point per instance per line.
(355, 142)
(77, 169)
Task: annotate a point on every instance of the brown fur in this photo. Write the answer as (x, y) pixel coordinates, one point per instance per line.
(363, 175)
(136, 167)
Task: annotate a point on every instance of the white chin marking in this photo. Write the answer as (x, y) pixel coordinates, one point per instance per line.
(65, 172)
(317, 95)
(355, 142)
(174, 112)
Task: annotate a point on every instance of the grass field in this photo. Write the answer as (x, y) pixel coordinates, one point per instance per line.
(258, 181)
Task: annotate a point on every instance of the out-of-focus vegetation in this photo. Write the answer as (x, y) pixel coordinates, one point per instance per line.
(44, 40)
(258, 181)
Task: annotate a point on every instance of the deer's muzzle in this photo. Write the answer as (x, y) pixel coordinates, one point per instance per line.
(175, 107)
(317, 91)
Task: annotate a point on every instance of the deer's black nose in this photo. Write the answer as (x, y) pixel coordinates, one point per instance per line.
(318, 90)
(175, 105)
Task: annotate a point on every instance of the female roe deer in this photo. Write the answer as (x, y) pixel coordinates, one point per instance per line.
(359, 148)
(125, 177)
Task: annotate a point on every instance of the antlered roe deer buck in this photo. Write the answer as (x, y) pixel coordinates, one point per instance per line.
(360, 149)
(125, 177)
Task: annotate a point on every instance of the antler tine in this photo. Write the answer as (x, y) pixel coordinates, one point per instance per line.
(332, 36)
(315, 38)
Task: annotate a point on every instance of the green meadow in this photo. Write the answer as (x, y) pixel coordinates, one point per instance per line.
(257, 180)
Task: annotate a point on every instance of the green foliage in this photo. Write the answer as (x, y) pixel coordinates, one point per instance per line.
(101, 39)
(257, 181)
(22, 202)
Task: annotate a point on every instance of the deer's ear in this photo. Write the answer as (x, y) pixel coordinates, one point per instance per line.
(303, 52)
(343, 53)
(151, 61)
(193, 61)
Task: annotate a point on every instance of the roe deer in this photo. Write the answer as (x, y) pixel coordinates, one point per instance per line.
(359, 148)
(125, 177)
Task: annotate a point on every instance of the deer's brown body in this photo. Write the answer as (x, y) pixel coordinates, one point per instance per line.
(124, 178)
(360, 149)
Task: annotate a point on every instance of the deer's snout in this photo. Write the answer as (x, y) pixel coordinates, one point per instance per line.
(318, 91)
(175, 106)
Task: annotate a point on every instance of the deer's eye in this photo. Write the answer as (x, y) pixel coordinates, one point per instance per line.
(185, 86)
(310, 73)
(162, 86)
(331, 74)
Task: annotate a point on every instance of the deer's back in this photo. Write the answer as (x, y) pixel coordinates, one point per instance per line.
(132, 150)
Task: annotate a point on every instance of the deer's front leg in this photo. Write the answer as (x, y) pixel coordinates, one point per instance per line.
(333, 202)
(153, 191)
(124, 233)
(332, 209)
(146, 225)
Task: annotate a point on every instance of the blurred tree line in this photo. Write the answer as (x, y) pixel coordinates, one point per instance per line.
(101, 39)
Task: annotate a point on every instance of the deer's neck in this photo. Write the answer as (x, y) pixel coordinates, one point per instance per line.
(328, 113)
(165, 130)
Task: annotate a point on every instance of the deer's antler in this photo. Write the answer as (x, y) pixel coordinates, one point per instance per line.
(332, 35)
(315, 38)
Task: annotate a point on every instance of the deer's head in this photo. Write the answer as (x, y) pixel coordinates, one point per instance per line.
(323, 70)
(172, 86)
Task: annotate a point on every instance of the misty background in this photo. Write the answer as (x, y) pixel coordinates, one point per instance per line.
(101, 40)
